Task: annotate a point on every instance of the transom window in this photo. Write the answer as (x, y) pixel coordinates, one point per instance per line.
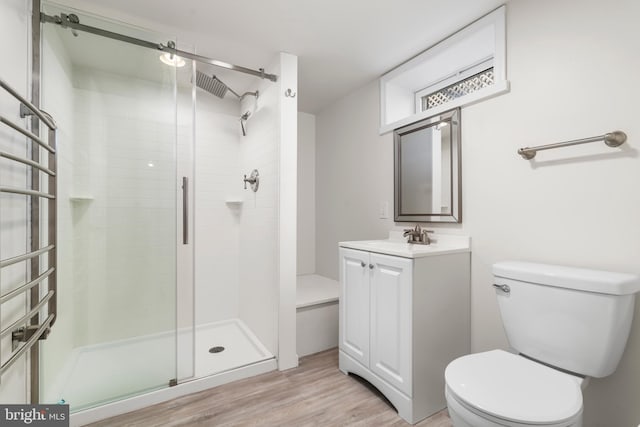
(455, 90)
(464, 68)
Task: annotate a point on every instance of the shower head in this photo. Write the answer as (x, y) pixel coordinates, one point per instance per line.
(212, 85)
(215, 86)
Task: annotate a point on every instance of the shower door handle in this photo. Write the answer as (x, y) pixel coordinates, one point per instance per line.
(185, 210)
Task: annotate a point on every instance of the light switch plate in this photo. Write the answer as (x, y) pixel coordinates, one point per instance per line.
(384, 210)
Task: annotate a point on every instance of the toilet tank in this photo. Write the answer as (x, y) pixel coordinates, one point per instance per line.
(571, 318)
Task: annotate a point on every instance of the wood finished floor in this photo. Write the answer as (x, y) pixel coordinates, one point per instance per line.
(314, 394)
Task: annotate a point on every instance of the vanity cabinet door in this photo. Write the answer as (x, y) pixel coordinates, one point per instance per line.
(391, 325)
(354, 304)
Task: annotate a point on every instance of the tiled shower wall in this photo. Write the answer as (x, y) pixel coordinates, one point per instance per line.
(259, 234)
(236, 229)
(217, 223)
(124, 217)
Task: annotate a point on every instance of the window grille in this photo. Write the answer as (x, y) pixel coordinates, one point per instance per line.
(464, 87)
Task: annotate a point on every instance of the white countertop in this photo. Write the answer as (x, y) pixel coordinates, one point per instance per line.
(441, 244)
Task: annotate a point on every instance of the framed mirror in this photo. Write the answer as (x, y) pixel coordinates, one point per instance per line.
(427, 170)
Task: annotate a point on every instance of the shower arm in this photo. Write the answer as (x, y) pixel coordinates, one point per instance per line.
(241, 97)
(72, 21)
(256, 94)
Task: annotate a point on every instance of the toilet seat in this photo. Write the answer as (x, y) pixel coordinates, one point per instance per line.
(517, 391)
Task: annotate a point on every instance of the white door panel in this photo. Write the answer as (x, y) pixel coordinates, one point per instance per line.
(354, 304)
(390, 353)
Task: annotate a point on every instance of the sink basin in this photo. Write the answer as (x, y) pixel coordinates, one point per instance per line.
(443, 244)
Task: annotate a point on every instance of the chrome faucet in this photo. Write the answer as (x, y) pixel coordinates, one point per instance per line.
(418, 235)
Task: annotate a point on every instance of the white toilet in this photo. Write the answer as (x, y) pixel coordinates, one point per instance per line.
(567, 324)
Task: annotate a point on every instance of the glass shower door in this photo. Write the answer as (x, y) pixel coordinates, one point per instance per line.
(116, 108)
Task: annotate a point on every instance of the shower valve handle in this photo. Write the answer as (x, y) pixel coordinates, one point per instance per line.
(253, 180)
(250, 180)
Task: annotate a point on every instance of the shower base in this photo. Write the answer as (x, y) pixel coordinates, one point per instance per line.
(97, 373)
(241, 347)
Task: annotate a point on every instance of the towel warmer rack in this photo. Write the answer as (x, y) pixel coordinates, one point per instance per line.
(29, 328)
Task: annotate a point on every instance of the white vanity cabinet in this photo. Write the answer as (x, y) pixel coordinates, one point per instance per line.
(404, 315)
(375, 326)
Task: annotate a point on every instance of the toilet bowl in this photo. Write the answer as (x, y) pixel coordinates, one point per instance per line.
(566, 324)
(497, 388)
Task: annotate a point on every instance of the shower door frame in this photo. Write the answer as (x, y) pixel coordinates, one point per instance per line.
(34, 357)
(34, 373)
(66, 22)
(287, 357)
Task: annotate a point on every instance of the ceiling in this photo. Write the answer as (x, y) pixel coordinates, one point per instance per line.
(341, 44)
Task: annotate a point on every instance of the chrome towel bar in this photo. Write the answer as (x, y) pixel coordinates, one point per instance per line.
(613, 139)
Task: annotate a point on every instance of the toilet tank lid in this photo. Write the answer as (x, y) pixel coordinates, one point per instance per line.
(582, 279)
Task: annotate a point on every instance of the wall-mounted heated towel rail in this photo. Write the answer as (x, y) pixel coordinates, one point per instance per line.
(613, 139)
(40, 290)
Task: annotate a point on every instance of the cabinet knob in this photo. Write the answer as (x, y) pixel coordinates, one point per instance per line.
(370, 266)
(362, 264)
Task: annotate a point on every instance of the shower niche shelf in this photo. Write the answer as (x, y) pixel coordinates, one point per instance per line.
(79, 199)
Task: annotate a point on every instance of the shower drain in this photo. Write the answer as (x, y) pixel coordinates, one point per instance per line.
(216, 349)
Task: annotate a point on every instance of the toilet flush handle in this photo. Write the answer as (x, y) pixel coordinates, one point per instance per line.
(504, 288)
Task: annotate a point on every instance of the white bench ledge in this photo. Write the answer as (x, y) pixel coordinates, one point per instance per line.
(313, 289)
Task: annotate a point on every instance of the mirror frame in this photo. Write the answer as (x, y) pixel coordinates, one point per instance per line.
(453, 118)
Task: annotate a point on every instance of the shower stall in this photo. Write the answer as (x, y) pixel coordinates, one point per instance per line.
(171, 270)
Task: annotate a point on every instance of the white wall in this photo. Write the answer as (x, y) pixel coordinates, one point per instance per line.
(306, 233)
(14, 27)
(576, 206)
(354, 173)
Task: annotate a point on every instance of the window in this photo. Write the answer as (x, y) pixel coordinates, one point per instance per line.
(464, 68)
(462, 86)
